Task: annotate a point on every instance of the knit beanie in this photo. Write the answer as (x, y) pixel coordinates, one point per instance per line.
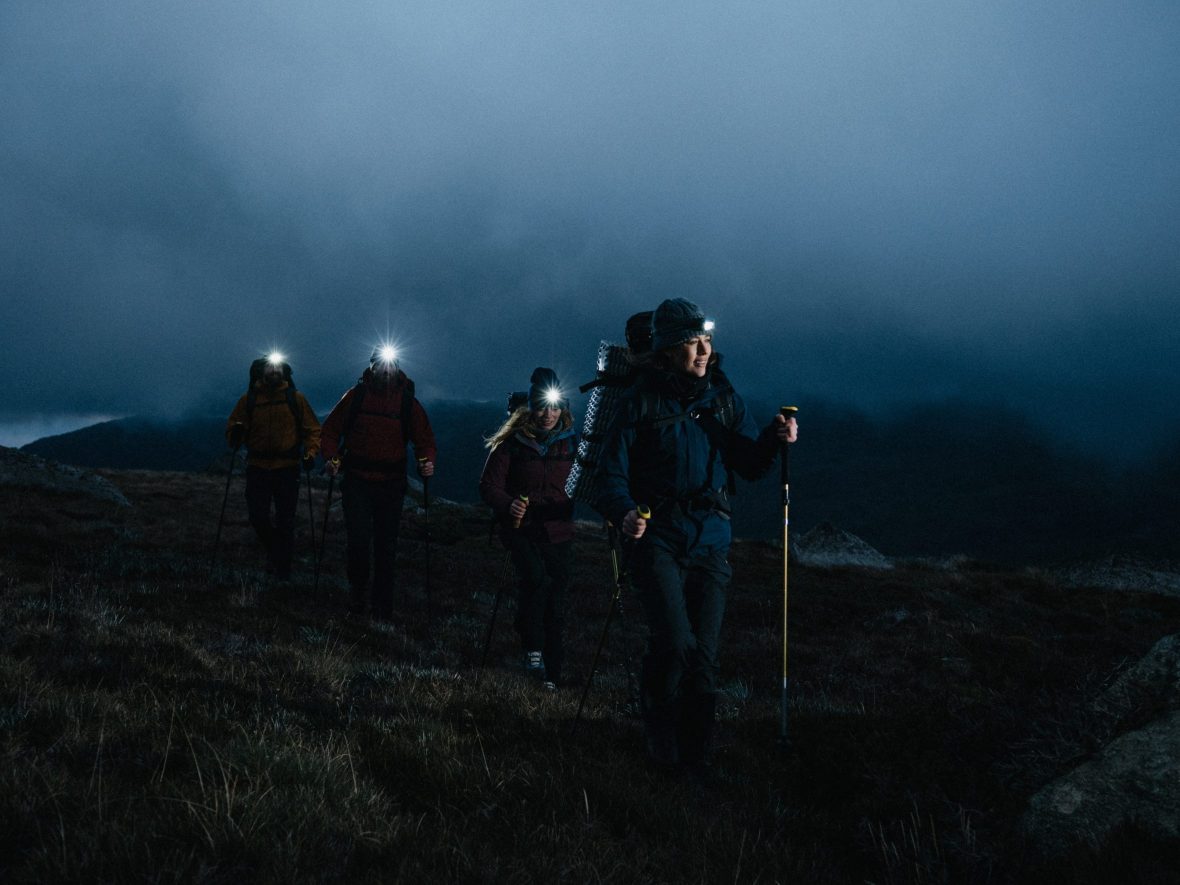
(674, 322)
(542, 382)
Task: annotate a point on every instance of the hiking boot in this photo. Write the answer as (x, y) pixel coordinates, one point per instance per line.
(660, 737)
(534, 664)
(694, 730)
(358, 604)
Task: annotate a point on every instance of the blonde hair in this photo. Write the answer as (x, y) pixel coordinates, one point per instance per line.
(522, 420)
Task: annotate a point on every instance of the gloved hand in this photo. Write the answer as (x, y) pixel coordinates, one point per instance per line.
(237, 433)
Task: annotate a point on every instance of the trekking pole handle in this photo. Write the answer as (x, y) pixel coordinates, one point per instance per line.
(628, 544)
(788, 412)
(425, 483)
(516, 519)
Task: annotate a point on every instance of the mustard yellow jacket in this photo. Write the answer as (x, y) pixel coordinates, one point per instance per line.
(271, 432)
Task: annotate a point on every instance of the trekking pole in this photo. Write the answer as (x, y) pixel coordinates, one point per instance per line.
(233, 457)
(426, 510)
(311, 517)
(323, 534)
(785, 462)
(620, 580)
(628, 664)
(487, 640)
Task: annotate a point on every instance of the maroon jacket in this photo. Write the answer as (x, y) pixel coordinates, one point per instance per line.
(374, 439)
(522, 466)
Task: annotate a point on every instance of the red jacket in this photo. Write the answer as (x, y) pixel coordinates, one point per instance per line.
(521, 466)
(371, 438)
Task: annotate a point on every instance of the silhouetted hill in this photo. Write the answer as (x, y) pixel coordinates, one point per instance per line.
(138, 443)
(933, 480)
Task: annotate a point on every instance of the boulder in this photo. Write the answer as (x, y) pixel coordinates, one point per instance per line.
(1135, 779)
(20, 470)
(1152, 683)
(827, 546)
(1119, 572)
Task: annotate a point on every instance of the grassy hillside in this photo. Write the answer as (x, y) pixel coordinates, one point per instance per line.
(165, 718)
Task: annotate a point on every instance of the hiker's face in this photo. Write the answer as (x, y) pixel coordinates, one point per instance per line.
(692, 357)
(272, 375)
(384, 372)
(547, 418)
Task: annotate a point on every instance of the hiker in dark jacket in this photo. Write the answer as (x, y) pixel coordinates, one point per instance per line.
(366, 436)
(280, 431)
(523, 481)
(679, 431)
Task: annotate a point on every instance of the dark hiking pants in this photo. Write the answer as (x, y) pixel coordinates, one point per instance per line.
(279, 486)
(543, 577)
(372, 517)
(684, 601)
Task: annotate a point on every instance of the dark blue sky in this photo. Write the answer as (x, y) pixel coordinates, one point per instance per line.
(879, 202)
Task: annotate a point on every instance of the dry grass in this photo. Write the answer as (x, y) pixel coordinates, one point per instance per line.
(165, 720)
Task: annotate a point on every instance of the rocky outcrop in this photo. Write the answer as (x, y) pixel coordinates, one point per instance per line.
(1135, 778)
(20, 470)
(1122, 573)
(827, 546)
(1151, 683)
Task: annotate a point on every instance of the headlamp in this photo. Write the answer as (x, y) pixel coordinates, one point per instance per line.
(552, 397)
(275, 358)
(709, 324)
(386, 355)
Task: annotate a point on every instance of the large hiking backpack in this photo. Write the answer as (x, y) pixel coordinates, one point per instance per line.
(615, 374)
(358, 398)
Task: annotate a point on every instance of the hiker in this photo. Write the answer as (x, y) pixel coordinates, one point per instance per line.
(366, 436)
(280, 431)
(679, 432)
(523, 481)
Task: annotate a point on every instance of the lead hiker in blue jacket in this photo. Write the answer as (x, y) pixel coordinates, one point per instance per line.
(679, 435)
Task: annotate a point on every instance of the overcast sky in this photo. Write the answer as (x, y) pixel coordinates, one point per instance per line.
(879, 202)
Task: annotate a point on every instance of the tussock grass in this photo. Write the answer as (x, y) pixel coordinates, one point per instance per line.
(167, 718)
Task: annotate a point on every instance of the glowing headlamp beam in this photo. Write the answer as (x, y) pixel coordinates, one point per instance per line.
(709, 324)
(552, 397)
(275, 358)
(387, 354)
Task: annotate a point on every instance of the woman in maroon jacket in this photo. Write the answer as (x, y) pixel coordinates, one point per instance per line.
(524, 483)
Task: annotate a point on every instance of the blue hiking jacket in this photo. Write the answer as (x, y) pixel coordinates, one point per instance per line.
(671, 455)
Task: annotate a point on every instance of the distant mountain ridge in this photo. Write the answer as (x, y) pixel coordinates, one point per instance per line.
(936, 480)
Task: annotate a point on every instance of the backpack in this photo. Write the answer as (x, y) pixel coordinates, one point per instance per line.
(358, 397)
(615, 375)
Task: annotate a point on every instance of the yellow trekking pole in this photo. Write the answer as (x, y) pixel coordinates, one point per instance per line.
(787, 412)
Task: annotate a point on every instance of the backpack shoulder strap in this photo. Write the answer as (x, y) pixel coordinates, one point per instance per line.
(354, 409)
(407, 408)
(293, 405)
